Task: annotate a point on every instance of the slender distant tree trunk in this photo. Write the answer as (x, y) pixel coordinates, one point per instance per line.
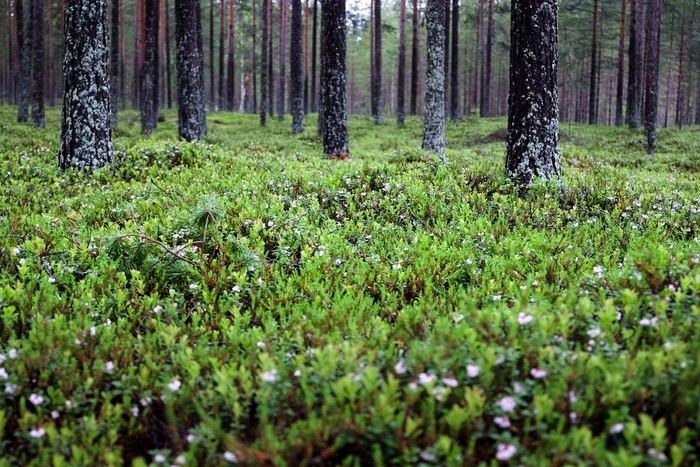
(447, 55)
(434, 111)
(149, 76)
(296, 54)
(593, 88)
(313, 59)
(254, 59)
(454, 66)
(634, 90)
(212, 88)
(321, 76)
(377, 97)
(122, 59)
(25, 54)
(619, 120)
(86, 131)
(263, 64)
(270, 59)
(414, 60)
(37, 117)
(189, 64)
(306, 57)
(222, 48)
(168, 63)
(162, 97)
(138, 55)
(281, 92)
(334, 80)
(230, 79)
(690, 64)
(533, 117)
(481, 46)
(652, 73)
(486, 96)
(114, 62)
(401, 85)
(680, 98)
(670, 69)
(53, 99)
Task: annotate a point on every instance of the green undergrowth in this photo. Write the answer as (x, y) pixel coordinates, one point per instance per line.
(244, 300)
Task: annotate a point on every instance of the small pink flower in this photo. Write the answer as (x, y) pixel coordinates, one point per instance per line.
(473, 370)
(449, 381)
(507, 404)
(538, 373)
(502, 421)
(523, 319)
(505, 452)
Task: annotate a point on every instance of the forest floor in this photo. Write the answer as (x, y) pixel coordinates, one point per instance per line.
(243, 300)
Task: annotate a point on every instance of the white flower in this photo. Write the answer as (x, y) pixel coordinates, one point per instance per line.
(413, 386)
(260, 281)
(270, 223)
(538, 373)
(400, 367)
(108, 322)
(338, 262)
(78, 342)
(524, 318)
(469, 262)
(15, 251)
(193, 286)
(55, 414)
(12, 353)
(438, 392)
(231, 457)
(261, 344)
(236, 289)
(499, 360)
(269, 376)
(175, 385)
(595, 332)
(109, 366)
(37, 433)
(502, 421)
(573, 416)
(93, 330)
(496, 298)
(52, 279)
(505, 451)
(135, 411)
(473, 370)
(617, 428)
(297, 373)
(449, 381)
(2, 358)
(572, 397)
(159, 458)
(190, 438)
(181, 459)
(535, 283)
(396, 266)
(425, 378)
(69, 404)
(598, 270)
(659, 455)
(427, 456)
(158, 309)
(10, 388)
(507, 404)
(145, 401)
(36, 399)
(3, 373)
(649, 322)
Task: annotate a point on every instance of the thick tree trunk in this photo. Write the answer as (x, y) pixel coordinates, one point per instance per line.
(168, 64)
(297, 69)
(222, 48)
(447, 54)
(377, 97)
(619, 119)
(149, 75)
(533, 116)
(634, 91)
(414, 60)
(114, 62)
(651, 103)
(313, 59)
(263, 64)
(434, 111)
(454, 65)
(333, 79)
(86, 131)
(230, 72)
(400, 106)
(189, 64)
(25, 65)
(593, 88)
(281, 92)
(37, 117)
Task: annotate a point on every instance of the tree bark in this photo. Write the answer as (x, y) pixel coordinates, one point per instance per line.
(306, 57)
(401, 85)
(168, 63)
(281, 92)
(149, 75)
(454, 65)
(254, 59)
(222, 47)
(486, 90)
(414, 60)
(434, 111)
(24, 46)
(651, 102)
(333, 79)
(37, 117)
(377, 97)
(533, 116)
(86, 131)
(680, 98)
(313, 59)
(481, 45)
(447, 54)
(634, 90)
(212, 81)
(619, 120)
(270, 59)
(189, 64)
(53, 99)
(296, 54)
(593, 87)
(263, 64)
(114, 63)
(230, 75)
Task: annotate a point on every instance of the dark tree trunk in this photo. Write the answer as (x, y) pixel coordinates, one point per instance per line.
(270, 59)
(263, 64)
(486, 90)
(189, 64)
(313, 58)
(281, 92)
(25, 54)
(114, 62)
(138, 53)
(402, 66)
(333, 79)
(53, 98)
(86, 131)
(680, 98)
(168, 64)
(634, 91)
(122, 60)
(651, 103)
(230, 75)
(619, 120)
(533, 116)
(377, 97)
(222, 46)
(37, 117)
(255, 59)
(212, 88)
(447, 54)
(321, 86)
(149, 75)
(414, 60)
(306, 57)
(593, 87)
(454, 65)
(296, 53)
(434, 111)
(12, 67)
(481, 45)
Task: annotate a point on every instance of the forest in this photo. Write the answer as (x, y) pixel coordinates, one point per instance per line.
(349, 232)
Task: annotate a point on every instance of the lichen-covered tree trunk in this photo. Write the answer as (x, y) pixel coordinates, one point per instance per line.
(296, 53)
(37, 117)
(333, 78)
(651, 102)
(263, 64)
(414, 60)
(313, 58)
(533, 116)
(149, 71)
(281, 92)
(189, 63)
(377, 101)
(619, 118)
(401, 84)
(24, 48)
(230, 72)
(434, 110)
(114, 63)
(454, 65)
(86, 130)
(593, 84)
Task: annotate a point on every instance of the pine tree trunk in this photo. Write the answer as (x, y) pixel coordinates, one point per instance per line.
(401, 85)
(296, 54)
(189, 64)
(619, 119)
(377, 98)
(254, 59)
(533, 116)
(634, 91)
(168, 63)
(263, 64)
(37, 116)
(321, 91)
(270, 60)
(86, 131)
(230, 76)
(212, 81)
(481, 45)
(486, 90)
(149, 75)
(122, 59)
(281, 92)
(306, 57)
(53, 99)
(593, 88)
(434, 111)
(138, 40)
(680, 97)
(222, 47)
(333, 79)
(25, 54)
(651, 102)
(313, 59)
(447, 54)
(414, 60)
(454, 65)
(114, 63)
